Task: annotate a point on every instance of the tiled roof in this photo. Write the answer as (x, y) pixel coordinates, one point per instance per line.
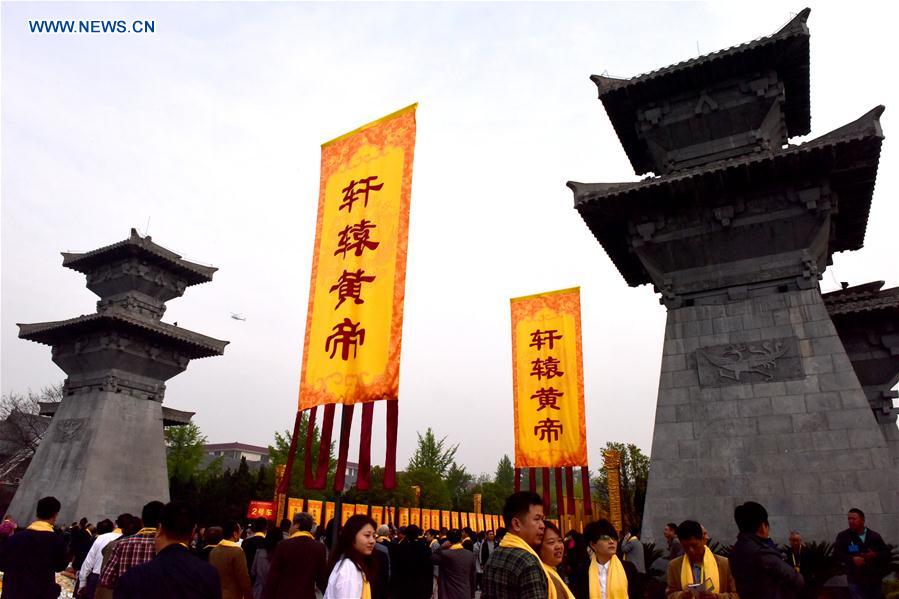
(786, 51)
(869, 297)
(235, 446)
(145, 248)
(850, 152)
(50, 333)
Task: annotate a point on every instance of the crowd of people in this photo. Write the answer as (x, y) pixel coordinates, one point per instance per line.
(164, 555)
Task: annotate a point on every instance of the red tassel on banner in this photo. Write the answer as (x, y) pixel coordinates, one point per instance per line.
(310, 434)
(285, 480)
(363, 482)
(517, 480)
(393, 411)
(346, 424)
(532, 480)
(560, 507)
(324, 448)
(585, 482)
(546, 498)
(569, 488)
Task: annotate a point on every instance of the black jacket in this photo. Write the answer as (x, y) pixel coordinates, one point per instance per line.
(412, 571)
(760, 571)
(29, 561)
(173, 574)
(849, 545)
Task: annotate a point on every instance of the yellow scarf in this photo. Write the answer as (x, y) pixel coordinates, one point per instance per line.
(118, 531)
(457, 546)
(301, 533)
(513, 541)
(146, 531)
(227, 543)
(709, 570)
(558, 579)
(259, 534)
(385, 539)
(40, 526)
(616, 581)
(366, 588)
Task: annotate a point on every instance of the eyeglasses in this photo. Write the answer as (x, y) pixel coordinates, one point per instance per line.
(606, 538)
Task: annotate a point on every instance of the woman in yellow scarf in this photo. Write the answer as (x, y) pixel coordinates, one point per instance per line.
(605, 576)
(352, 565)
(551, 552)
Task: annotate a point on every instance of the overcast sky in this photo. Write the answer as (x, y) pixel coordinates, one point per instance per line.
(207, 133)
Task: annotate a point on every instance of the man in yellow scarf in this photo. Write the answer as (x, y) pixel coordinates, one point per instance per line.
(514, 570)
(30, 559)
(606, 576)
(698, 566)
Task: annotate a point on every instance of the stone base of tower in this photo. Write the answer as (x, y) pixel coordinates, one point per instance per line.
(759, 401)
(103, 455)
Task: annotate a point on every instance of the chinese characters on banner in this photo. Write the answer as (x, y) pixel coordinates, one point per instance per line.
(261, 509)
(548, 386)
(351, 352)
(314, 507)
(377, 514)
(403, 516)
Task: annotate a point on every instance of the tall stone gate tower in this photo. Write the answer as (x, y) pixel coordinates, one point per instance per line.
(104, 452)
(758, 398)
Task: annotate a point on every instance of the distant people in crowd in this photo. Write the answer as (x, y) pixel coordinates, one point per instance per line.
(262, 560)
(228, 558)
(130, 526)
(758, 569)
(81, 541)
(133, 550)
(457, 569)
(552, 552)
(674, 546)
(803, 562)
(30, 559)
(488, 546)
(174, 573)
(865, 556)
(632, 550)
(298, 565)
(254, 542)
(698, 566)
(607, 577)
(352, 566)
(89, 574)
(515, 571)
(212, 536)
(7, 528)
(413, 572)
(383, 546)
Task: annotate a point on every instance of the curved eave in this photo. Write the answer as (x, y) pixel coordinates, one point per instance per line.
(139, 247)
(849, 155)
(57, 332)
(787, 52)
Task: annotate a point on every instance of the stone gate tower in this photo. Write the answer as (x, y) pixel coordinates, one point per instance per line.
(757, 398)
(104, 453)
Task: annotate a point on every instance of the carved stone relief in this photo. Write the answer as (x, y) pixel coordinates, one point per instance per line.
(752, 362)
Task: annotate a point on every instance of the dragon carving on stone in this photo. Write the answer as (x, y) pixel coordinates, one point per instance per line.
(748, 358)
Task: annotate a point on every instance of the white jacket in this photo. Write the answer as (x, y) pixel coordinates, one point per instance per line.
(345, 581)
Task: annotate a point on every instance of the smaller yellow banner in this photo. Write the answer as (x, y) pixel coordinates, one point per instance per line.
(425, 519)
(294, 506)
(377, 514)
(463, 519)
(415, 516)
(444, 518)
(314, 507)
(347, 511)
(454, 520)
(403, 516)
(329, 512)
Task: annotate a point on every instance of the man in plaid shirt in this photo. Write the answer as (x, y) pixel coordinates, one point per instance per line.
(134, 550)
(513, 572)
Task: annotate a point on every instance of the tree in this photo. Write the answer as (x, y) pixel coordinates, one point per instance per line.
(24, 426)
(432, 455)
(633, 473)
(505, 475)
(184, 451)
(458, 483)
(278, 456)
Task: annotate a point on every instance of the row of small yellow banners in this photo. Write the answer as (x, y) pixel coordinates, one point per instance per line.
(400, 516)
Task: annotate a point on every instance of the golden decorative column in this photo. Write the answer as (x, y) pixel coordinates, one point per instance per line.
(477, 503)
(279, 497)
(612, 463)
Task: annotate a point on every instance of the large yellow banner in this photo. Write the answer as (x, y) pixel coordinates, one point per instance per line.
(351, 352)
(548, 380)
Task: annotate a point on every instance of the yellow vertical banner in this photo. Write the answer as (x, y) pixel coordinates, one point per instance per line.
(548, 380)
(454, 520)
(415, 516)
(425, 519)
(444, 518)
(377, 514)
(314, 507)
(473, 521)
(294, 506)
(346, 512)
(463, 519)
(389, 515)
(329, 512)
(482, 522)
(351, 352)
(403, 516)
(362, 508)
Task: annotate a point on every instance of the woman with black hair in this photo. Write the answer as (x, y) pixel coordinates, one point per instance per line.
(262, 560)
(352, 566)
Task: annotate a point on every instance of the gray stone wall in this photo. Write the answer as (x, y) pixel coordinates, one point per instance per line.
(103, 454)
(786, 423)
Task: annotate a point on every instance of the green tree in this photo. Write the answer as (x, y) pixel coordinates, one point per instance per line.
(458, 483)
(505, 476)
(184, 451)
(633, 473)
(433, 455)
(278, 456)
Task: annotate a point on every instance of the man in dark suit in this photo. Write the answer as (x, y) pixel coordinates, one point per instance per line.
(174, 573)
(299, 565)
(457, 570)
(758, 568)
(254, 542)
(30, 559)
(410, 563)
